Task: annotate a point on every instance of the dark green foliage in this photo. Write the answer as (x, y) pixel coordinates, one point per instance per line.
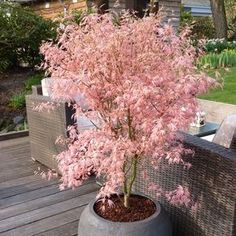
(202, 27)
(232, 29)
(219, 45)
(33, 80)
(230, 7)
(186, 17)
(21, 34)
(18, 99)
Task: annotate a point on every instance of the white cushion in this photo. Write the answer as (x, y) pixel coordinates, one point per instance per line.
(209, 137)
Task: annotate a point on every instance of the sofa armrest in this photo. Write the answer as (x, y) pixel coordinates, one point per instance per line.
(212, 183)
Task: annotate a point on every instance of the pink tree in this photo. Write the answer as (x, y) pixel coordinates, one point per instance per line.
(140, 84)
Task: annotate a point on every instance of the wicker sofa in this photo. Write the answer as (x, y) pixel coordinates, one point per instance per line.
(46, 127)
(212, 178)
(212, 182)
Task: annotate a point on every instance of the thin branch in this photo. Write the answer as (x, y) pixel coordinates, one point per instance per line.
(94, 124)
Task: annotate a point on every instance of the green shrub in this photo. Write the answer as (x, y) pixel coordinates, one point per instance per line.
(186, 17)
(219, 45)
(23, 126)
(33, 80)
(227, 58)
(18, 100)
(4, 63)
(230, 8)
(21, 34)
(202, 27)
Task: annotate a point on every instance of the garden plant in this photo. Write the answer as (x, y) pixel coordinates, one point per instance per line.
(220, 59)
(225, 59)
(139, 83)
(21, 33)
(201, 27)
(18, 99)
(219, 45)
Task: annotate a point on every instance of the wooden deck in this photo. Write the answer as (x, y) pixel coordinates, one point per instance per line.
(30, 205)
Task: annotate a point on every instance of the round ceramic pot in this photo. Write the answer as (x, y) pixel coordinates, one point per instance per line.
(91, 224)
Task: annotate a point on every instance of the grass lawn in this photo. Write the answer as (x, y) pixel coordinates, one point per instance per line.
(227, 94)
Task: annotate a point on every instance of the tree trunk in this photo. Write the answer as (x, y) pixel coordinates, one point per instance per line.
(129, 181)
(219, 18)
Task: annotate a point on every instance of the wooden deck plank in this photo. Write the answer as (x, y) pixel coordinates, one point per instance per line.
(17, 170)
(11, 145)
(69, 229)
(45, 212)
(46, 224)
(46, 201)
(20, 147)
(19, 181)
(12, 142)
(30, 205)
(7, 165)
(6, 157)
(28, 196)
(15, 152)
(12, 191)
(15, 173)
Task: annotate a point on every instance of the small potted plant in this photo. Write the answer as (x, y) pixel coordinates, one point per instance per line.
(140, 86)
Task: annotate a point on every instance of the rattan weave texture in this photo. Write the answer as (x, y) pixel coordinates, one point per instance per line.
(45, 127)
(212, 182)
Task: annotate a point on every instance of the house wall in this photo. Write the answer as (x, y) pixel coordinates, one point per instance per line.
(54, 8)
(171, 11)
(51, 9)
(169, 8)
(197, 7)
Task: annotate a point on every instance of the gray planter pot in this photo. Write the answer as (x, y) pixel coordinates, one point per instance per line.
(91, 224)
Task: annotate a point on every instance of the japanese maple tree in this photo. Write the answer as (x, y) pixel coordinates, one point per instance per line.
(139, 85)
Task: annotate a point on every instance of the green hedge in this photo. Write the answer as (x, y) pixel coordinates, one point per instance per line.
(21, 34)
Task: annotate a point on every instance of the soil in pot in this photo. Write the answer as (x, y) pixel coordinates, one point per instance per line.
(140, 208)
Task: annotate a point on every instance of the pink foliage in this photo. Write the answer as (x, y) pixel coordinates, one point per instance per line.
(140, 83)
(45, 106)
(179, 196)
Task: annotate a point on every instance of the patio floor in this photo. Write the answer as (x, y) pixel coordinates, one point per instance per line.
(30, 205)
